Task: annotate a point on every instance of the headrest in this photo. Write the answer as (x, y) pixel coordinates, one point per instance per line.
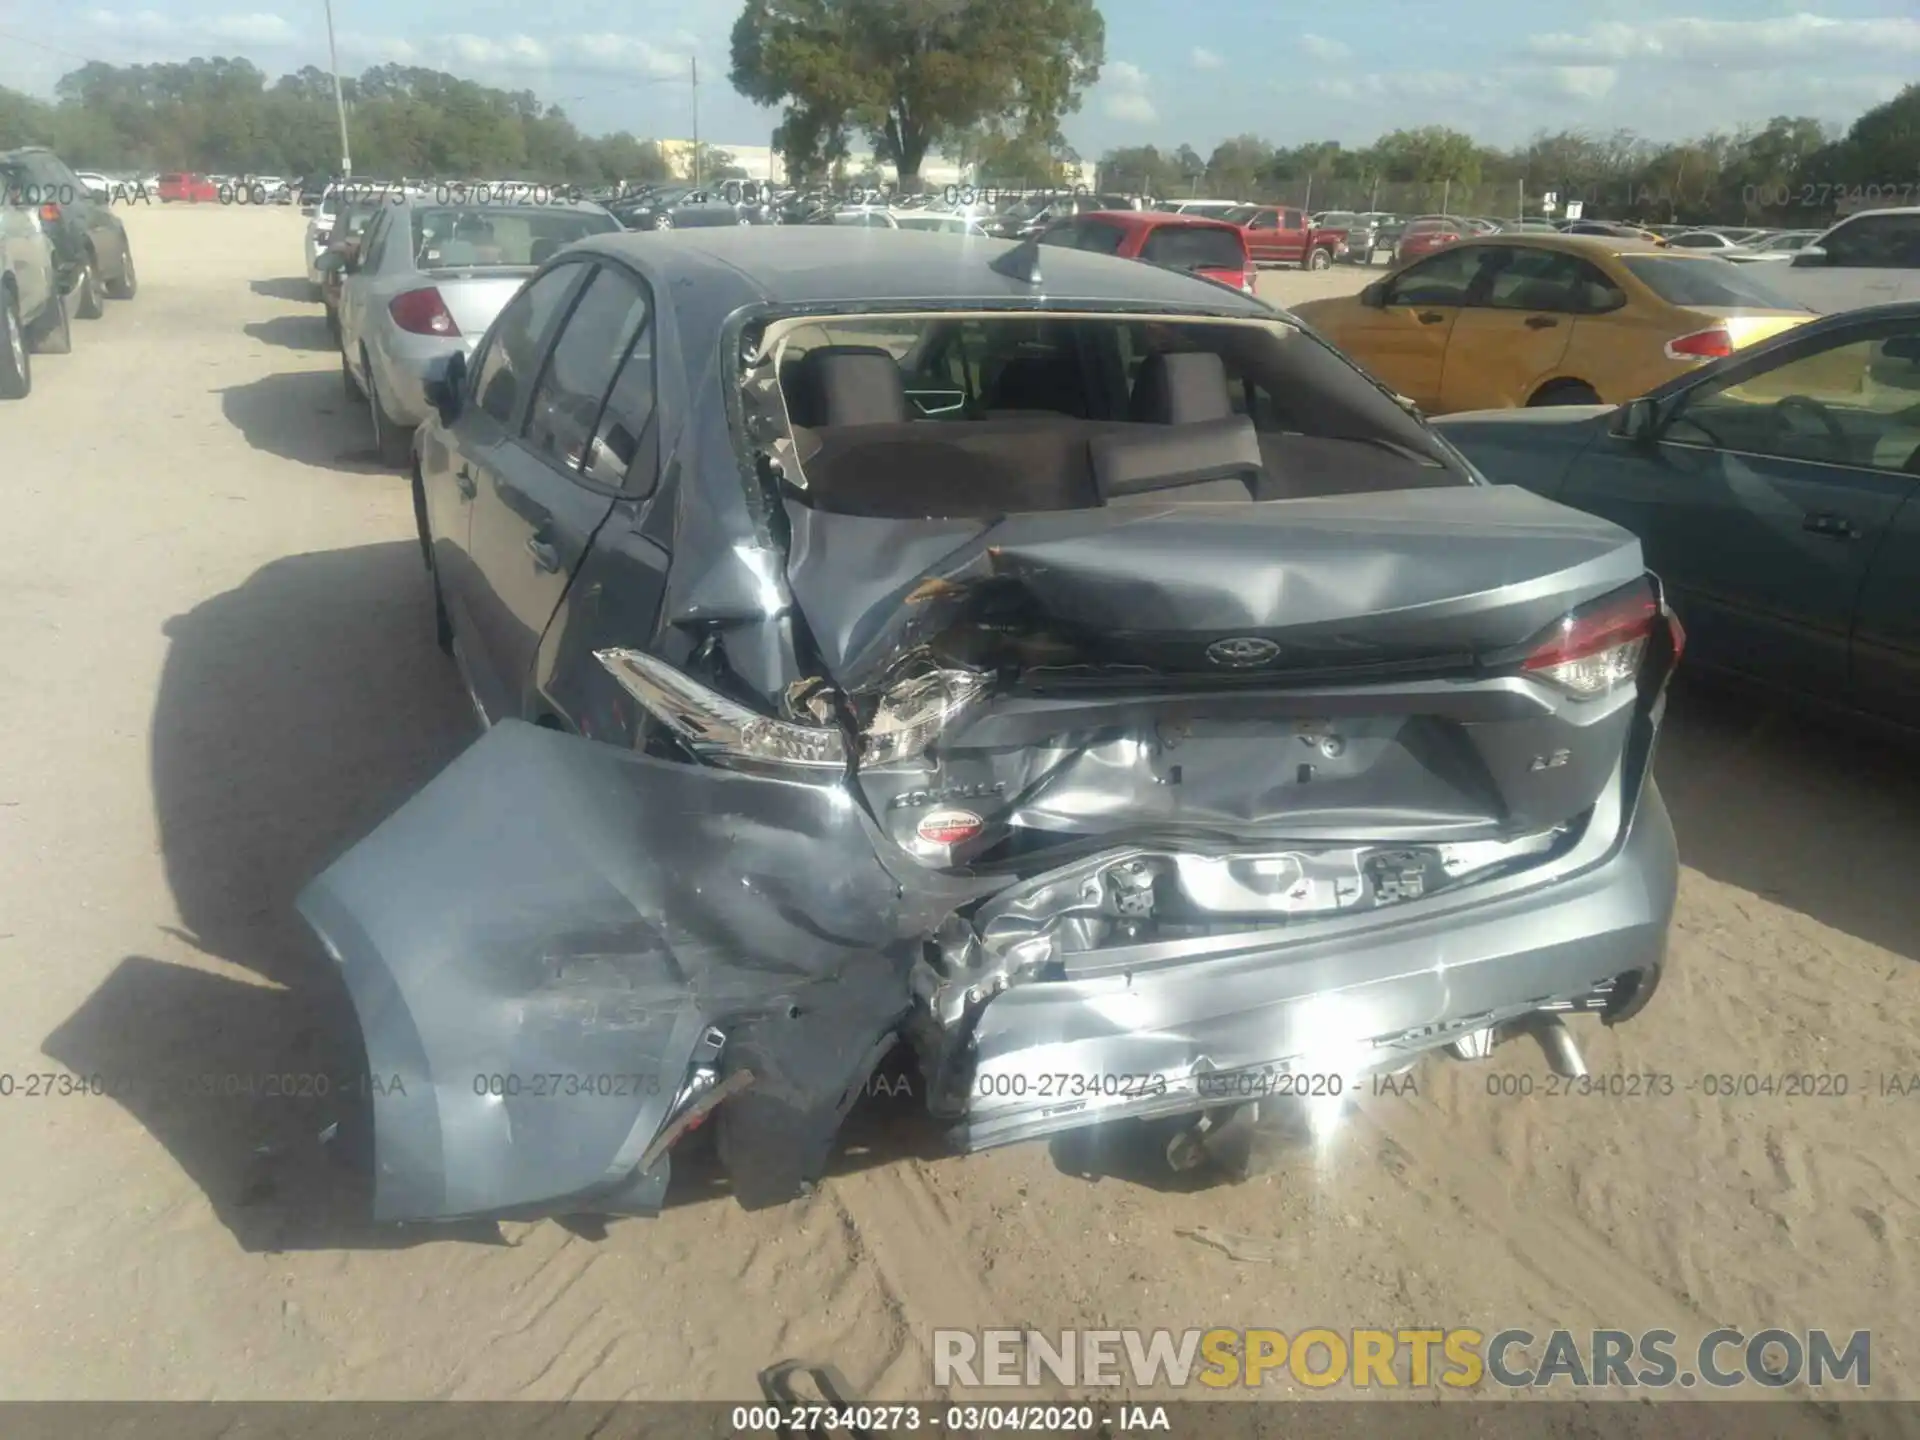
(1143, 462)
(846, 385)
(1182, 388)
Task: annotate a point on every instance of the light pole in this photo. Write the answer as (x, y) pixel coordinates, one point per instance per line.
(339, 100)
(694, 61)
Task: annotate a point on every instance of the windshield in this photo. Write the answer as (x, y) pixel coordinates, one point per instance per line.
(1681, 280)
(1195, 247)
(500, 235)
(1340, 219)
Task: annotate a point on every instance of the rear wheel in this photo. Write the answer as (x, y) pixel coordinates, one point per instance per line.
(1566, 392)
(16, 368)
(87, 304)
(390, 437)
(128, 283)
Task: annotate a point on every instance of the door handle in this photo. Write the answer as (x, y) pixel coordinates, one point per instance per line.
(545, 557)
(463, 482)
(1430, 317)
(1826, 522)
(1541, 322)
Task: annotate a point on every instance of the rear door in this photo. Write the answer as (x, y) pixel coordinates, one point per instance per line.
(535, 516)
(1404, 342)
(1768, 493)
(504, 372)
(1517, 325)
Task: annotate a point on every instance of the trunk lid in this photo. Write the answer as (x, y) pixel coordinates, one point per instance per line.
(475, 295)
(1327, 669)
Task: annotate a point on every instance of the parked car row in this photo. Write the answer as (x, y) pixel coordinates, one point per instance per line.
(62, 260)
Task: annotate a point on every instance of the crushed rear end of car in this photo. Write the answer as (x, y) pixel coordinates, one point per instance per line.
(1127, 763)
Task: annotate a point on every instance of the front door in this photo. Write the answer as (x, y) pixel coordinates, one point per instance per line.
(1404, 342)
(1769, 490)
(535, 515)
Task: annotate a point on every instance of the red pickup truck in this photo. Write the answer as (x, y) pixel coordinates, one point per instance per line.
(1277, 235)
(187, 188)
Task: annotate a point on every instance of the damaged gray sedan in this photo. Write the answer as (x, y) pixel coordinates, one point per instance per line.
(1088, 680)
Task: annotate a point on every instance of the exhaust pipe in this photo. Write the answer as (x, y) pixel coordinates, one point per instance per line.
(1557, 1041)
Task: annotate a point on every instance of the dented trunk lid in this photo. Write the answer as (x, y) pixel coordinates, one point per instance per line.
(1324, 670)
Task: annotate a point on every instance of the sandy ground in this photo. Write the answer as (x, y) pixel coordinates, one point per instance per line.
(217, 671)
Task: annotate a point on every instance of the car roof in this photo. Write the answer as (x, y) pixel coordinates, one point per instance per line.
(1154, 219)
(1576, 244)
(821, 265)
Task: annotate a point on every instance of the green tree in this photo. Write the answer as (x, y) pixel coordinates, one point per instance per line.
(913, 73)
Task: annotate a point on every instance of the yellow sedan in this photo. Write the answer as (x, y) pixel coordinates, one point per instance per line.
(1549, 320)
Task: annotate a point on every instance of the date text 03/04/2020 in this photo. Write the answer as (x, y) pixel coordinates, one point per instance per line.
(964, 1419)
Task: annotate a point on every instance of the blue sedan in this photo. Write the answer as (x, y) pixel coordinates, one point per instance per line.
(1775, 494)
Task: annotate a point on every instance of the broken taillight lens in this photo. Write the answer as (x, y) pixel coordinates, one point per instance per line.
(716, 728)
(1598, 648)
(914, 712)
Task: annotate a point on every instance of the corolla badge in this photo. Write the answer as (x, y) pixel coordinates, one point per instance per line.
(1242, 652)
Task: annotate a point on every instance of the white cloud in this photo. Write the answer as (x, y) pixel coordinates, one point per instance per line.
(140, 22)
(1321, 48)
(626, 55)
(1204, 59)
(1582, 82)
(513, 51)
(1799, 40)
(384, 49)
(257, 29)
(1124, 94)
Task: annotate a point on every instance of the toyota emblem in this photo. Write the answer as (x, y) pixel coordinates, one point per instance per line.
(1243, 652)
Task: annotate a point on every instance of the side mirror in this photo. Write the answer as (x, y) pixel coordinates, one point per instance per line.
(1810, 255)
(1374, 296)
(330, 261)
(446, 385)
(1637, 420)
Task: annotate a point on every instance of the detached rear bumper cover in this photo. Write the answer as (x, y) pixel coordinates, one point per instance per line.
(536, 943)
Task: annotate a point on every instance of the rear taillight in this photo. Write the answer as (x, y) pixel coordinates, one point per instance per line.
(422, 312)
(1714, 344)
(50, 213)
(1598, 648)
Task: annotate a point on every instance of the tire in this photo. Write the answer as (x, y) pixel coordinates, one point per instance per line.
(1321, 259)
(87, 304)
(351, 385)
(128, 284)
(16, 366)
(333, 324)
(52, 333)
(442, 622)
(1565, 392)
(392, 440)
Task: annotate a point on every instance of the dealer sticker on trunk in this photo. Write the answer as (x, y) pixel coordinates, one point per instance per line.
(950, 827)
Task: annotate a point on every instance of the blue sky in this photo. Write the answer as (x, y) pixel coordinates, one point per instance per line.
(1501, 69)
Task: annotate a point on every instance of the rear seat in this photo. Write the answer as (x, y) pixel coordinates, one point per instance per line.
(863, 454)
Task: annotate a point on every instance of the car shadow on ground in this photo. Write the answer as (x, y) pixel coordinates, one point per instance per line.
(305, 416)
(294, 332)
(293, 714)
(1810, 813)
(287, 287)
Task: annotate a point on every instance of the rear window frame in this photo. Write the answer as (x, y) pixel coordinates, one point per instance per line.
(1227, 233)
